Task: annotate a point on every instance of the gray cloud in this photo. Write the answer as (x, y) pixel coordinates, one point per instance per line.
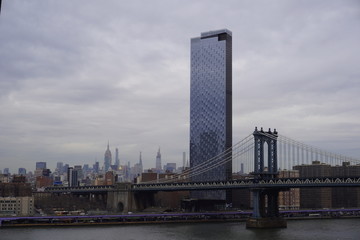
(76, 74)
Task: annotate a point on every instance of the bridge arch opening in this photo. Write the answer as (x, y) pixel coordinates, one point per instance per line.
(120, 207)
(266, 155)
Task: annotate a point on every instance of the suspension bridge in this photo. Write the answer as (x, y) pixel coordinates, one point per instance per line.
(263, 154)
(289, 153)
(260, 156)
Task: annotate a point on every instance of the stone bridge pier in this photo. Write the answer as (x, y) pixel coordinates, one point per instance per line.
(122, 199)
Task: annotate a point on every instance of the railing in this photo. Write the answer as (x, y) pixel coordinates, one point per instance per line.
(220, 185)
(252, 183)
(102, 188)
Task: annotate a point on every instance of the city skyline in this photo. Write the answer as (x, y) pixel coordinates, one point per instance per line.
(103, 164)
(75, 75)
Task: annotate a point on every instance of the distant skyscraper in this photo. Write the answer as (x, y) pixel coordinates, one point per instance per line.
(184, 160)
(158, 161)
(117, 160)
(46, 172)
(96, 167)
(59, 167)
(79, 170)
(107, 159)
(138, 168)
(65, 168)
(22, 171)
(170, 167)
(72, 176)
(40, 165)
(211, 106)
(85, 167)
(140, 164)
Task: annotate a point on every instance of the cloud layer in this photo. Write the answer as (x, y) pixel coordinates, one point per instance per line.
(75, 74)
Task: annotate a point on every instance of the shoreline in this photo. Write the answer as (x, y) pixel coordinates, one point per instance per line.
(141, 219)
(119, 223)
(151, 222)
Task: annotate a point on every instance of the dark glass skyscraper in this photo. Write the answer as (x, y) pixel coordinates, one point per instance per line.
(211, 106)
(72, 176)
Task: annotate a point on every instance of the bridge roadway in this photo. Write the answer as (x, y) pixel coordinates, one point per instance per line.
(279, 183)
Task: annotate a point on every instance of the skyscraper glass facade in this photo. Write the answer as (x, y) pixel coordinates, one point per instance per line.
(211, 105)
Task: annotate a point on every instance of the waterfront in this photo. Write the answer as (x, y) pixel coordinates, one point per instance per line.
(297, 229)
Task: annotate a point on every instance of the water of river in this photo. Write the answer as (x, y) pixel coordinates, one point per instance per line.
(297, 229)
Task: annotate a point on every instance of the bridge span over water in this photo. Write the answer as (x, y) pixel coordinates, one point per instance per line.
(261, 155)
(281, 183)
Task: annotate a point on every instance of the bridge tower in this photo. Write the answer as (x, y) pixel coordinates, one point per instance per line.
(265, 201)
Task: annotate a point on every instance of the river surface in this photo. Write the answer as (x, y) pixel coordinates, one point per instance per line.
(297, 229)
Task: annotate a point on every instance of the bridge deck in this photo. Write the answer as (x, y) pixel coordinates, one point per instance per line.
(282, 183)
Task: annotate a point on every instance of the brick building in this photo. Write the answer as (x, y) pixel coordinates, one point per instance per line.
(164, 199)
(16, 198)
(43, 181)
(290, 199)
(346, 197)
(336, 197)
(315, 197)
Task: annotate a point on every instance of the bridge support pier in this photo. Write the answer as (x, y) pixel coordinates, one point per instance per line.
(266, 210)
(265, 201)
(121, 199)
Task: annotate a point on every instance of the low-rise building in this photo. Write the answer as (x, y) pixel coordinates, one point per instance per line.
(4, 178)
(109, 178)
(17, 206)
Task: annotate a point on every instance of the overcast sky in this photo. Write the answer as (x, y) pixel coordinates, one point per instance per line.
(77, 74)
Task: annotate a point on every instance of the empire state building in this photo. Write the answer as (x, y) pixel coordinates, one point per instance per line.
(107, 159)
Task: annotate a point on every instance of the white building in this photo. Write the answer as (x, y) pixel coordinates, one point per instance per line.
(17, 206)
